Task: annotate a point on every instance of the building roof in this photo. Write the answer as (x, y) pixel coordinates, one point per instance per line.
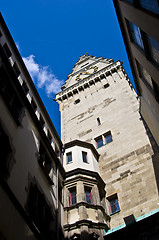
(83, 144)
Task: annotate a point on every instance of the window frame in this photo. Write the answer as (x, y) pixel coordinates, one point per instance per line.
(132, 33)
(103, 139)
(73, 197)
(84, 154)
(98, 139)
(107, 136)
(88, 193)
(110, 199)
(67, 157)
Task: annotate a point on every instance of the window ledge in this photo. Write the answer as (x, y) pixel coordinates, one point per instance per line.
(115, 213)
(70, 162)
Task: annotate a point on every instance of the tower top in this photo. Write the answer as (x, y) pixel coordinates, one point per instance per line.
(84, 67)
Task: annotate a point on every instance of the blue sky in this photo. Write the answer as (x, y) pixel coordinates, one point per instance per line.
(52, 34)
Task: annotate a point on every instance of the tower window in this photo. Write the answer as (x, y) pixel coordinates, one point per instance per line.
(88, 195)
(73, 200)
(104, 139)
(77, 101)
(98, 121)
(108, 137)
(69, 157)
(99, 142)
(106, 85)
(84, 157)
(114, 204)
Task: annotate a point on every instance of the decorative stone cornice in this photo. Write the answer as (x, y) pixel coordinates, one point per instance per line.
(83, 173)
(88, 205)
(78, 224)
(87, 81)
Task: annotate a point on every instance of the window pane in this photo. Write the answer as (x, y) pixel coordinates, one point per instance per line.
(69, 157)
(150, 5)
(73, 197)
(154, 49)
(136, 35)
(108, 139)
(84, 156)
(99, 142)
(114, 205)
(88, 196)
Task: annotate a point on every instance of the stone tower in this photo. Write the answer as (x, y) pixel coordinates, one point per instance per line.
(99, 106)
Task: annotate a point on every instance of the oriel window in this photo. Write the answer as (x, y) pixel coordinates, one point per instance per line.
(73, 196)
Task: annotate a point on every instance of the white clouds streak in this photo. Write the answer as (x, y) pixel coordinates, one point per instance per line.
(43, 76)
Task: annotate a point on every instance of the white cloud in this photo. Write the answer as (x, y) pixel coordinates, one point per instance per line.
(43, 76)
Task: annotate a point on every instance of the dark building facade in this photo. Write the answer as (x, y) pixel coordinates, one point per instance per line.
(139, 23)
(31, 172)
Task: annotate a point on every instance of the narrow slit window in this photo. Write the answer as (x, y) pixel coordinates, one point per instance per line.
(98, 121)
